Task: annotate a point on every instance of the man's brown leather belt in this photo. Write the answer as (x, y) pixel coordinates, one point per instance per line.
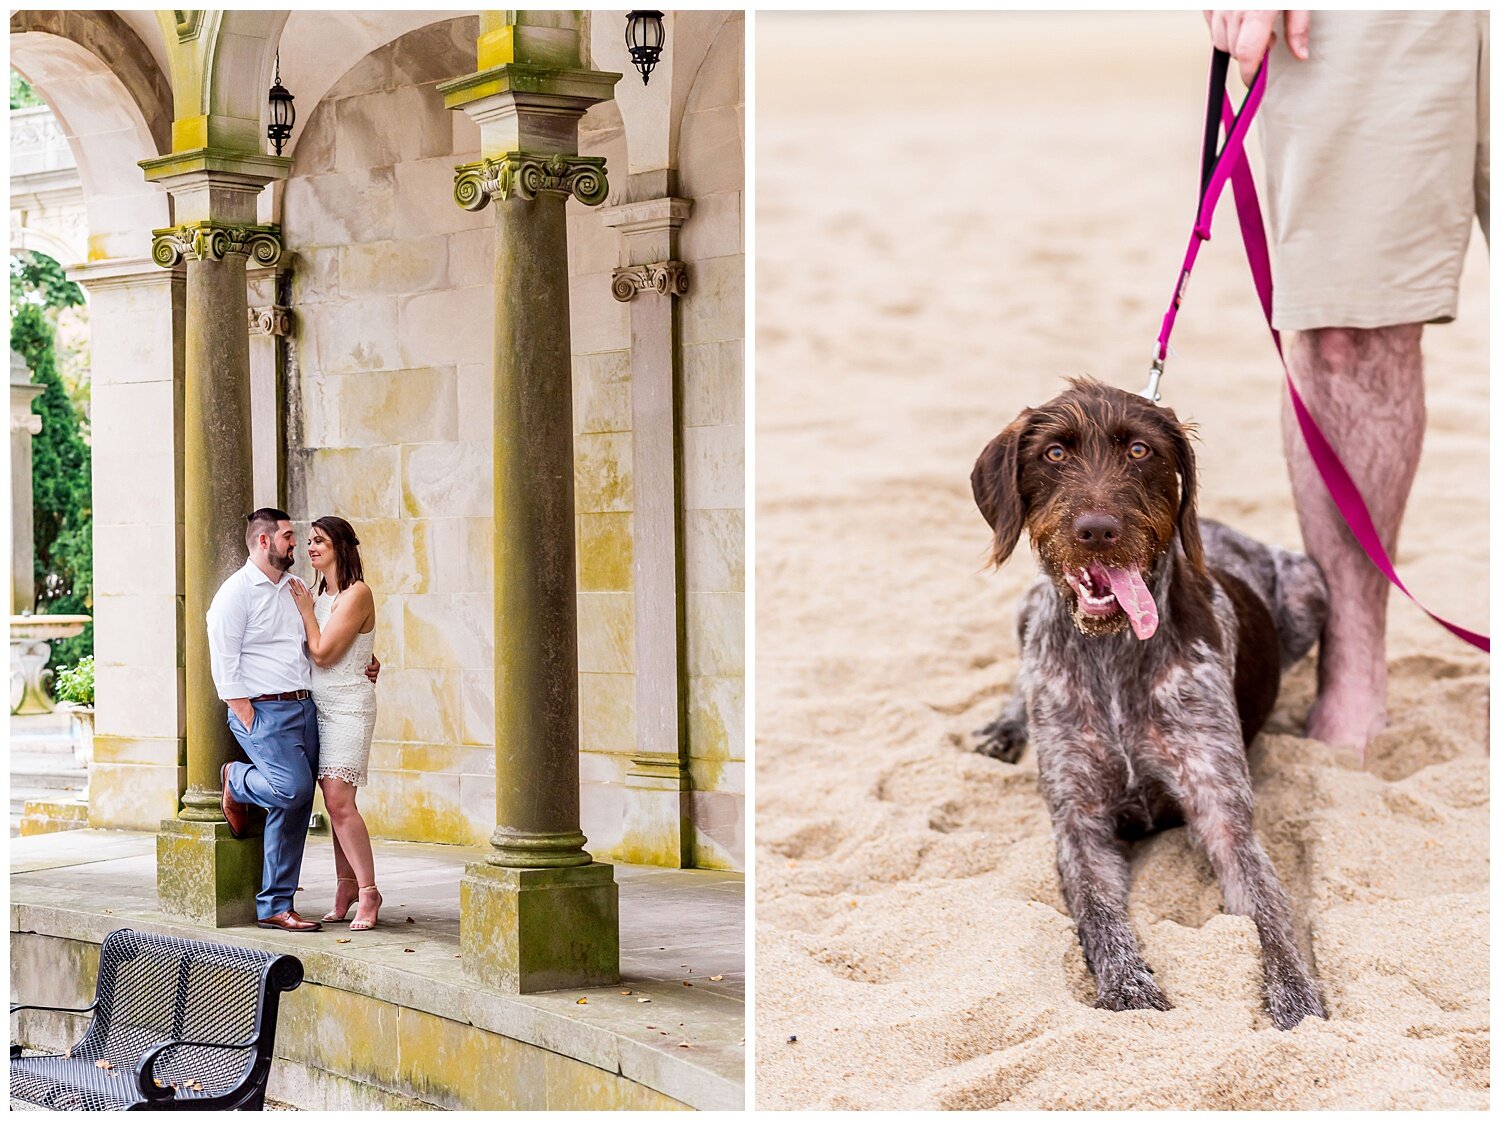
(298, 695)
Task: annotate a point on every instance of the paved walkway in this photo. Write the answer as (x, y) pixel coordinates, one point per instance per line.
(675, 927)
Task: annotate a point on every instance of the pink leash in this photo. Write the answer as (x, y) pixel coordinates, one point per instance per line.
(1232, 166)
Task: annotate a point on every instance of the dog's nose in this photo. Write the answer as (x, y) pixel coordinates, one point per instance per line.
(1095, 530)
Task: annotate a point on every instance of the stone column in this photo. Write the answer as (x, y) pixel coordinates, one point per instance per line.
(24, 424)
(203, 874)
(659, 818)
(538, 913)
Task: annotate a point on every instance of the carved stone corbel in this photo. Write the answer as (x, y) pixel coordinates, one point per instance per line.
(665, 278)
(271, 320)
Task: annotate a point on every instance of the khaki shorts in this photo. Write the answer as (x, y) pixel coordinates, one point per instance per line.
(1377, 163)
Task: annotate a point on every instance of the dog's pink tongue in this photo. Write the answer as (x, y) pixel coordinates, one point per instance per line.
(1134, 599)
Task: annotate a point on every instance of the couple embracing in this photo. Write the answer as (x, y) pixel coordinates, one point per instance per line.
(296, 667)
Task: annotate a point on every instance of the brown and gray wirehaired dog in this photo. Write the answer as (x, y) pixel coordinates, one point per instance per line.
(1152, 648)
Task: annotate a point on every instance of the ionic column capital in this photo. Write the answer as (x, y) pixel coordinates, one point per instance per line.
(665, 278)
(273, 319)
(524, 176)
(213, 241)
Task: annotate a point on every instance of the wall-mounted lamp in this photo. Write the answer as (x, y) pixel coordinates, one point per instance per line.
(645, 34)
(283, 114)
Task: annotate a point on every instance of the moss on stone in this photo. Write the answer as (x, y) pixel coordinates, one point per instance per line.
(206, 876)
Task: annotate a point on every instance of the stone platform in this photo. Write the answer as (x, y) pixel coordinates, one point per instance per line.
(387, 1019)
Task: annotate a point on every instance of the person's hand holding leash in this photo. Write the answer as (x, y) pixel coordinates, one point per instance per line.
(1249, 35)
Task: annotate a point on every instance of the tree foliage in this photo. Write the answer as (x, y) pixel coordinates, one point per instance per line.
(22, 96)
(62, 492)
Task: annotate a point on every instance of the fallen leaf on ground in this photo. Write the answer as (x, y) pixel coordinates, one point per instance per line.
(687, 984)
(684, 1043)
(643, 1000)
(582, 1000)
(410, 919)
(343, 939)
(717, 977)
(624, 992)
(408, 950)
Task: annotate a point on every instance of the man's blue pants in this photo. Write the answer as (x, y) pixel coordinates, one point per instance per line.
(281, 776)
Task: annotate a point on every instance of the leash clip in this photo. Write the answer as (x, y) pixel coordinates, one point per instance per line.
(1152, 392)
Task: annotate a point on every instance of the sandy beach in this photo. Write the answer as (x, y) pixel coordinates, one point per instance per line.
(954, 214)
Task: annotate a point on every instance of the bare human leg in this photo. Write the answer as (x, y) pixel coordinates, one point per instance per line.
(351, 841)
(1364, 388)
(346, 890)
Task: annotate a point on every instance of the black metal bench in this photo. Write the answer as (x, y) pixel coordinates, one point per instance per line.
(177, 1025)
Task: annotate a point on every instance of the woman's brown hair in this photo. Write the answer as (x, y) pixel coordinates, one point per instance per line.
(345, 544)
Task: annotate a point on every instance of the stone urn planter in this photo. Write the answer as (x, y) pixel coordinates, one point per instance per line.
(75, 692)
(83, 733)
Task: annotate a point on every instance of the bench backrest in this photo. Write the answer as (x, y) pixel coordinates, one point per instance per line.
(154, 988)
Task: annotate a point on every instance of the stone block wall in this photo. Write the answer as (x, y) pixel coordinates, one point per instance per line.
(392, 297)
(711, 173)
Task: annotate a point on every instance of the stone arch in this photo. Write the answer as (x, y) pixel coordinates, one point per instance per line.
(113, 105)
(35, 240)
(716, 94)
(699, 74)
(238, 60)
(652, 120)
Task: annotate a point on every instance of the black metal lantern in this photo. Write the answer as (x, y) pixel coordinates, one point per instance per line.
(645, 34)
(283, 114)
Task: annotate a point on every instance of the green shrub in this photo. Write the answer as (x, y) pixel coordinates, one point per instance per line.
(75, 685)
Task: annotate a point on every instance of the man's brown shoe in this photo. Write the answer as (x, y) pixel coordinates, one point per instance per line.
(289, 921)
(235, 813)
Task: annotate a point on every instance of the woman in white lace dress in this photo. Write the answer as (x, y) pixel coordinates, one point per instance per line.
(340, 624)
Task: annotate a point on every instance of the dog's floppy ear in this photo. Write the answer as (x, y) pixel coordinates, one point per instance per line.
(996, 481)
(1187, 502)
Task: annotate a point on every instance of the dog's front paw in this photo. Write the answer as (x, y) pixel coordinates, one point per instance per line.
(1293, 1000)
(1134, 990)
(1003, 739)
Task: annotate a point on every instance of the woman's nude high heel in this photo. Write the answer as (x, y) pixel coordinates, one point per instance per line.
(337, 915)
(366, 924)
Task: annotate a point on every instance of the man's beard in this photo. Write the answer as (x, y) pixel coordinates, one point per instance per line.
(283, 561)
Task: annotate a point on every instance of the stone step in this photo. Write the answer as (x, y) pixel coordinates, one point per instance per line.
(52, 815)
(46, 771)
(20, 795)
(42, 744)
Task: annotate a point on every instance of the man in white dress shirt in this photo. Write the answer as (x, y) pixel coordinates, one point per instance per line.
(258, 650)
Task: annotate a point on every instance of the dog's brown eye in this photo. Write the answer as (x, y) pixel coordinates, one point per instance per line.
(1139, 450)
(1055, 453)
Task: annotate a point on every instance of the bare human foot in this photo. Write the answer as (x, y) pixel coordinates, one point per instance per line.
(1350, 708)
(344, 896)
(368, 914)
(1347, 718)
